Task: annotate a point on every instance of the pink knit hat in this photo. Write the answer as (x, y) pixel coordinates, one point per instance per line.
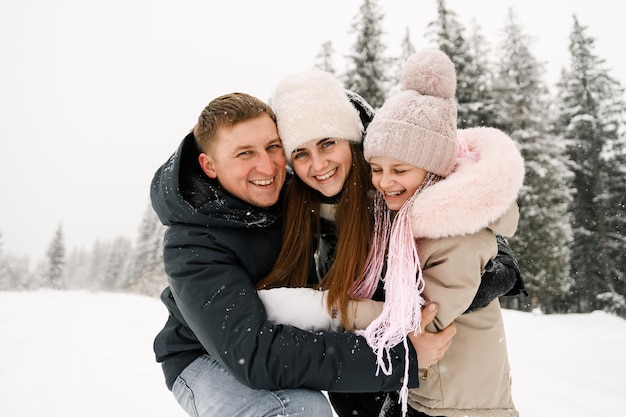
(417, 125)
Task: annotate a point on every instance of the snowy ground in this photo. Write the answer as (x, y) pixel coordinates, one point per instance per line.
(75, 354)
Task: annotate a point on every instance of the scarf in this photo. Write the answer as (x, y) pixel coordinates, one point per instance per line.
(403, 284)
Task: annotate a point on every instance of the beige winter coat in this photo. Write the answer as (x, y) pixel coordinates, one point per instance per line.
(455, 221)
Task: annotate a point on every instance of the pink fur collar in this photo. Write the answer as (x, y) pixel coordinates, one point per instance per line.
(476, 194)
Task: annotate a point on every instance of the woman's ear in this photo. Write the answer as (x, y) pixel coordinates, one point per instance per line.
(207, 165)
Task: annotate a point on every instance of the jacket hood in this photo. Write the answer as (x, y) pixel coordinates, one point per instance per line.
(181, 193)
(477, 193)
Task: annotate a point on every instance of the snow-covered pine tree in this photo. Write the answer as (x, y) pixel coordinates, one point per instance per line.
(543, 239)
(366, 73)
(146, 272)
(14, 273)
(482, 111)
(4, 269)
(406, 50)
(77, 272)
(98, 264)
(116, 272)
(324, 60)
(614, 299)
(6, 280)
(590, 121)
(448, 34)
(56, 260)
(104, 268)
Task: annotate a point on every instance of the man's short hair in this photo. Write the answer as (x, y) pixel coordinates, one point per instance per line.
(226, 111)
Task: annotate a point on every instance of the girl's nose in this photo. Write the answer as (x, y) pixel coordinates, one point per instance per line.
(386, 180)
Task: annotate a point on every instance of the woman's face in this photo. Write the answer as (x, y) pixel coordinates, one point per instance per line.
(323, 164)
(397, 181)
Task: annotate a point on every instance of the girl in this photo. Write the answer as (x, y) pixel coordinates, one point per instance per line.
(446, 194)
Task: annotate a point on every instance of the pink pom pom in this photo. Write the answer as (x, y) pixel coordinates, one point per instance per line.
(431, 73)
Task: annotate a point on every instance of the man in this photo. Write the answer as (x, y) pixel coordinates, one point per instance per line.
(221, 356)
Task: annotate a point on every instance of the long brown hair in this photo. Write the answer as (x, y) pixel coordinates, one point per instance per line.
(354, 222)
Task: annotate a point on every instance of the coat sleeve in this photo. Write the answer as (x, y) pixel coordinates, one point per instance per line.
(300, 307)
(452, 271)
(218, 301)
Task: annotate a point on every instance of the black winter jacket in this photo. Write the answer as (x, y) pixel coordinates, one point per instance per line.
(216, 249)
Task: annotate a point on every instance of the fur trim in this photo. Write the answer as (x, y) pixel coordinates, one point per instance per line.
(475, 194)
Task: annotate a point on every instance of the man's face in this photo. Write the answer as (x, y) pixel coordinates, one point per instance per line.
(248, 161)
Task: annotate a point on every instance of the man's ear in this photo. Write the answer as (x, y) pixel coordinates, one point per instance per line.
(207, 165)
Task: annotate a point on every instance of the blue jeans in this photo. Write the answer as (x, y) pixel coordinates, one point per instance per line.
(206, 389)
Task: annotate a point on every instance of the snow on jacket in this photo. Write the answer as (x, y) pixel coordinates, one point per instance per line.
(454, 222)
(216, 249)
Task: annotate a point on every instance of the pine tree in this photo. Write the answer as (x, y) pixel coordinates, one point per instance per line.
(366, 65)
(324, 60)
(614, 299)
(98, 264)
(56, 260)
(482, 111)
(447, 32)
(4, 269)
(77, 271)
(6, 282)
(102, 268)
(14, 273)
(146, 271)
(406, 50)
(591, 111)
(117, 264)
(542, 241)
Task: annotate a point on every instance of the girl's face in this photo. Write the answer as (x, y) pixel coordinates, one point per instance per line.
(397, 181)
(323, 164)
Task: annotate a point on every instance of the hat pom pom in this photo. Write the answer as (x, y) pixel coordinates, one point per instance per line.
(431, 73)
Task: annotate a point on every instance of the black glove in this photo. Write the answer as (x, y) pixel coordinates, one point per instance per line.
(507, 258)
(502, 277)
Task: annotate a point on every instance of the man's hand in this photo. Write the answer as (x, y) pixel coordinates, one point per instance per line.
(431, 347)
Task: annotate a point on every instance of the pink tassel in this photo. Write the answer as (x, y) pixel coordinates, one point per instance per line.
(402, 311)
(404, 284)
(365, 287)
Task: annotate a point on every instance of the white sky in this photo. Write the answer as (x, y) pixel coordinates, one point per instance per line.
(95, 94)
(562, 365)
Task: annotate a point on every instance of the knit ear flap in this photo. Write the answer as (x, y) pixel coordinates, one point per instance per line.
(431, 73)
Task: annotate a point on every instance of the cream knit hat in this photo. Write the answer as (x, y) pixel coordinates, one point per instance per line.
(313, 105)
(417, 125)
